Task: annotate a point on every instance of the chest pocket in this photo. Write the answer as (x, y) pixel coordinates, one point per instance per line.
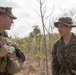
(3, 64)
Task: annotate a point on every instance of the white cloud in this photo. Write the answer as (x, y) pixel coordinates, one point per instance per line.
(27, 17)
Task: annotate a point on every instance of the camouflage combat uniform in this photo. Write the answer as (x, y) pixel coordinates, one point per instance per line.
(69, 50)
(4, 60)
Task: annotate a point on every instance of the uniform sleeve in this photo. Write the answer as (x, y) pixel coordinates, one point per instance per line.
(14, 63)
(20, 55)
(55, 64)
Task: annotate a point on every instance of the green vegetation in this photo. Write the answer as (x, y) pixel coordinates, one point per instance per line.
(40, 55)
(33, 44)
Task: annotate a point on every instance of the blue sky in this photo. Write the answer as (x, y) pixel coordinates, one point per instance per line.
(27, 17)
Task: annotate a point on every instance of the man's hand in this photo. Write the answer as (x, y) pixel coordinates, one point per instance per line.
(16, 46)
(4, 51)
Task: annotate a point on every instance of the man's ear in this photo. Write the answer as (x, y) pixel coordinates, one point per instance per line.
(1, 17)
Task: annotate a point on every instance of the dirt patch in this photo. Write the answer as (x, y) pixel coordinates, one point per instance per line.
(33, 66)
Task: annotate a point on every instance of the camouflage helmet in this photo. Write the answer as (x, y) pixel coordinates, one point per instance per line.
(7, 11)
(66, 21)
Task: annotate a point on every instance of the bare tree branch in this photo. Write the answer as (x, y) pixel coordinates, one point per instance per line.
(50, 14)
(36, 12)
(41, 1)
(44, 10)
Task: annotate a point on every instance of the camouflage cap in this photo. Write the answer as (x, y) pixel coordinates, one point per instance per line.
(7, 11)
(66, 21)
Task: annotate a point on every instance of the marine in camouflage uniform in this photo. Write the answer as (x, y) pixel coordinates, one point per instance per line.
(69, 50)
(9, 52)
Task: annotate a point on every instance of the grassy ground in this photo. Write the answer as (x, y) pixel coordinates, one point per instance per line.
(32, 66)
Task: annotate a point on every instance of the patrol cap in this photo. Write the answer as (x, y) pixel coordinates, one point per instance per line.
(7, 11)
(65, 21)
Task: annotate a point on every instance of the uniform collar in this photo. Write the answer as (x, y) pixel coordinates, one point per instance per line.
(72, 41)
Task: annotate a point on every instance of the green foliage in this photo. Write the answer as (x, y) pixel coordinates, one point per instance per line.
(48, 45)
(34, 45)
(36, 30)
(40, 55)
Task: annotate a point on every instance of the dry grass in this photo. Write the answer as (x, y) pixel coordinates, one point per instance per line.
(34, 67)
